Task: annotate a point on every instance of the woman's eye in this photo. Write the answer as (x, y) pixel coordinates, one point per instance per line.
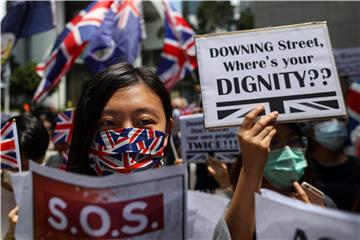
(144, 122)
(107, 123)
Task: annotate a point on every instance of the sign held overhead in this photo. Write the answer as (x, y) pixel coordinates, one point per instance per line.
(290, 69)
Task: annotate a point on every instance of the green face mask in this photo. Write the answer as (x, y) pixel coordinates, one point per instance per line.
(285, 166)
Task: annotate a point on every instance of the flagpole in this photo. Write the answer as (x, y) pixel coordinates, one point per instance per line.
(7, 73)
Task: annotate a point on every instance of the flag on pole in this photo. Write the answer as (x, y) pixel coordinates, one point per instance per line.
(24, 19)
(64, 127)
(63, 133)
(178, 53)
(68, 46)
(10, 148)
(118, 38)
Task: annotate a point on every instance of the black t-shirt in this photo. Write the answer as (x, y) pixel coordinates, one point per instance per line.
(340, 182)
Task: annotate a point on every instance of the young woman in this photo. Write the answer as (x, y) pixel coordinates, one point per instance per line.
(124, 104)
(121, 103)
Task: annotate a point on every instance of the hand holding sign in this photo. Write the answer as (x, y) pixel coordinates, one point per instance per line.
(254, 138)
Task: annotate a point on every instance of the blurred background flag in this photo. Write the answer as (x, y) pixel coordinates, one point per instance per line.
(64, 127)
(22, 20)
(68, 46)
(10, 148)
(178, 53)
(62, 134)
(118, 38)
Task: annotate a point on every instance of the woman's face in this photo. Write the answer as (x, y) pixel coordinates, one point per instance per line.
(136, 106)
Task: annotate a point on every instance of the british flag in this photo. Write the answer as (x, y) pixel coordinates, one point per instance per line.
(178, 54)
(64, 127)
(126, 150)
(10, 149)
(118, 38)
(68, 46)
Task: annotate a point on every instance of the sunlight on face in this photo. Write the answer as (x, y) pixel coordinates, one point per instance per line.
(136, 106)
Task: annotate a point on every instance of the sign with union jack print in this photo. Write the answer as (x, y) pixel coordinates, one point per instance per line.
(10, 148)
(290, 69)
(178, 54)
(62, 205)
(198, 144)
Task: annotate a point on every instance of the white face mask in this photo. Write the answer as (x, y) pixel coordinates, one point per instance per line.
(331, 134)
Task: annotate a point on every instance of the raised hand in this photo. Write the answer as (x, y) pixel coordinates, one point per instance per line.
(255, 138)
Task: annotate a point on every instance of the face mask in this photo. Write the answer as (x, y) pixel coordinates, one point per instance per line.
(176, 113)
(126, 150)
(331, 134)
(285, 166)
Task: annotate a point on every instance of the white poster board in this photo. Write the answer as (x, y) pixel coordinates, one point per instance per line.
(281, 217)
(198, 143)
(145, 205)
(290, 69)
(348, 62)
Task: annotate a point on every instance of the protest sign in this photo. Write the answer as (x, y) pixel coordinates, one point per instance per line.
(300, 221)
(289, 69)
(348, 62)
(197, 143)
(144, 205)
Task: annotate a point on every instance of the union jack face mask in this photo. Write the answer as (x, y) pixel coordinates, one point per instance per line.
(126, 150)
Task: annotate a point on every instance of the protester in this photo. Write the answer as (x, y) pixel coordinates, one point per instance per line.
(124, 101)
(254, 139)
(33, 141)
(335, 173)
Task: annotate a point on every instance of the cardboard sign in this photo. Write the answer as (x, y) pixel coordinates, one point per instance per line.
(145, 205)
(290, 69)
(281, 217)
(197, 143)
(348, 62)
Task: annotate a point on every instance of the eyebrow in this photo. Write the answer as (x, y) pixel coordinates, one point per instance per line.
(141, 110)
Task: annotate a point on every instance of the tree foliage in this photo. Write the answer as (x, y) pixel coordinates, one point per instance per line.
(214, 15)
(24, 81)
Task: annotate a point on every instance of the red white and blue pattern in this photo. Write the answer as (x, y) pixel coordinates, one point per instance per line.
(68, 46)
(178, 54)
(64, 127)
(118, 38)
(126, 150)
(10, 149)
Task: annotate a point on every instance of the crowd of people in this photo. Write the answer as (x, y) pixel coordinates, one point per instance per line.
(126, 100)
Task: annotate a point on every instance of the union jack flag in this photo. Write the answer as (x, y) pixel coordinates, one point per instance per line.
(10, 153)
(178, 54)
(118, 38)
(126, 150)
(68, 46)
(64, 127)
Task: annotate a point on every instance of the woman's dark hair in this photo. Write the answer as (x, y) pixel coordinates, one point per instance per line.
(33, 137)
(93, 100)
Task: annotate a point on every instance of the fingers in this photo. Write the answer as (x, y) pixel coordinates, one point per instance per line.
(267, 140)
(216, 166)
(13, 214)
(211, 171)
(179, 161)
(251, 116)
(300, 193)
(263, 123)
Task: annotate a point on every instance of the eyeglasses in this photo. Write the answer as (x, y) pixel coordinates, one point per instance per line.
(295, 141)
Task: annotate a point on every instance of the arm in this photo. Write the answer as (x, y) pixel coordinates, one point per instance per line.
(254, 138)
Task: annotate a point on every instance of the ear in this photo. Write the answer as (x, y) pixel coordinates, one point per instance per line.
(169, 126)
